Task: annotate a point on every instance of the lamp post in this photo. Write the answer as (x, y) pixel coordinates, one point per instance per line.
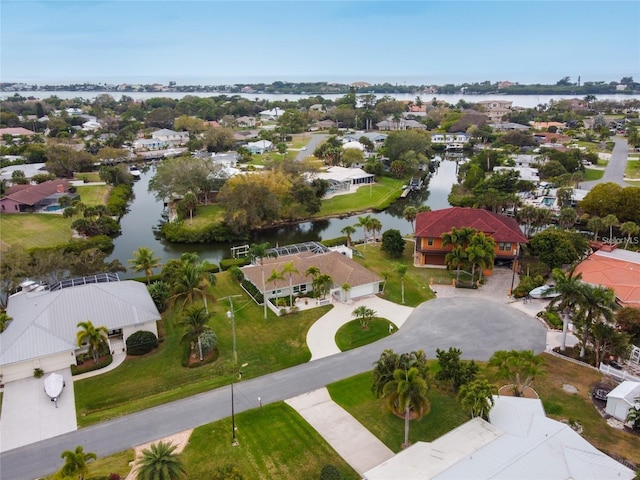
(513, 268)
(231, 316)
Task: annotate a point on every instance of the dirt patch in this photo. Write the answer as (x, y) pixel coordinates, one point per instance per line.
(507, 391)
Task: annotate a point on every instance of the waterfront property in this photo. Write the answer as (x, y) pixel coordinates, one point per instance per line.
(342, 179)
(33, 198)
(43, 332)
(430, 251)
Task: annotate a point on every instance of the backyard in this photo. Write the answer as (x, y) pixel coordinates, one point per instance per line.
(31, 230)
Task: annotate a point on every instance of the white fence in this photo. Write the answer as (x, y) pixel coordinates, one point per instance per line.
(620, 375)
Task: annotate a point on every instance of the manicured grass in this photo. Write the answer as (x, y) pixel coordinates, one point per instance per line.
(30, 230)
(103, 467)
(377, 197)
(94, 194)
(90, 176)
(354, 395)
(416, 280)
(351, 335)
(274, 442)
(633, 169)
(592, 174)
(205, 214)
(266, 346)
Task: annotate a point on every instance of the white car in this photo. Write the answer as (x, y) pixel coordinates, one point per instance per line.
(303, 148)
(545, 291)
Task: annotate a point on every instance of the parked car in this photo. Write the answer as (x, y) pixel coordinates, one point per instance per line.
(545, 291)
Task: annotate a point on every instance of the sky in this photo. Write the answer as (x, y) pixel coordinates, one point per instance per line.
(412, 42)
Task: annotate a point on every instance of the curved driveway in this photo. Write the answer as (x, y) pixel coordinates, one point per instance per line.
(477, 326)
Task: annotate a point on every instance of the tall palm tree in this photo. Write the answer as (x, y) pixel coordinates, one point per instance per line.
(275, 277)
(322, 284)
(192, 280)
(364, 222)
(596, 225)
(75, 462)
(383, 369)
(348, 231)
(4, 320)
(195, 321)
(95, 337)
(407, 393)
(477, 398)
(568, 285)
(401, 270)
(190, 202)
(598, 304)
(258, 252)
(630, 228)
(160, 462)
(609, 222)
(484, 248)
(456, 258)
(145, 261)
(289, 269)
(375, 225)
(410, 213)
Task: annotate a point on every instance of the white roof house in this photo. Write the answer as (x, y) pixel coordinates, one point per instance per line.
(29, 170)
(520, 442)
(272, 114)
(259, 147)
(170, 137)
(622, 398)
(353, 144)
(44, 327)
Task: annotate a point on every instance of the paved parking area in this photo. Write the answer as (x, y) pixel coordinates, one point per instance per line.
(28, 415)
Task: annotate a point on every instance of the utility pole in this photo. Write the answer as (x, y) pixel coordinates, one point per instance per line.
(231, 316)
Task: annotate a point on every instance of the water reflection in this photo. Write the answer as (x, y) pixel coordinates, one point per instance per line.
(141, 223)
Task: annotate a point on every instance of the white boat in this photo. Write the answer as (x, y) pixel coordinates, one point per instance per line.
(133, 170)
(545, 291)
(53, 386)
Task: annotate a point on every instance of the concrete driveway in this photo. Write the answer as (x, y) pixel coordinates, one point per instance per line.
(28, 415)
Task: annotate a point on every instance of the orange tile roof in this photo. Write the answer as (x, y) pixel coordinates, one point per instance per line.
(622, 275)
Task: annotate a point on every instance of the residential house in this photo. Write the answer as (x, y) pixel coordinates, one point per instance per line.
(342, 179)
(547, 125)
(32, 198)
(340, 267)
(526, 173)
(323, 125)
(16, 132)
(401, 124)
(518, 442)
(259, 147)
(272, 114)
(453, 141)
(170, 138)
(29, 170)
(509, 126)
(244, 135)
(376, 138)
(496, 109)
(43, 332)
(622, 398)
(148, 144)
(429, 248)
(616, 269)
(246, 122)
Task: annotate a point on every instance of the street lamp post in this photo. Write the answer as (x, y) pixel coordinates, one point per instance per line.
(231, 316)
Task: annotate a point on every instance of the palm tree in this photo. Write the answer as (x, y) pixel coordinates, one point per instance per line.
(96, 338)
(144, 261)
(375, 225)
(195, 322)
(630, 228)
(192, 280)
(401, 270)
(348, 231)
(274, 277)
(364, 314)
(4, 320)
(383, 370)
(385, 276)
(346, 288)
(322, 284)
(598, 304)
(567, 217)
(190, 202)
(407, 393)
(484, 249)
(456, 258)
(160, 462)
(410, 213)
(289, 269)
(258, 251)
(518, 367)
(364, 222)
(75, 462)
(609, 221)
(568, 285)
(596, 225)
(477, 397)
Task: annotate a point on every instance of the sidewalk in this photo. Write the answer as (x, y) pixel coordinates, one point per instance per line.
(119, 355)
(354, 443)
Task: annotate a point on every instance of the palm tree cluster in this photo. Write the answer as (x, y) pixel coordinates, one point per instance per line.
(364, 314)
(403, 382)
(192, 279)
(322, 282)
(470, 249)
(518, 367)
(195, 322)
(95, 337)
(591, 308)
(76, 463)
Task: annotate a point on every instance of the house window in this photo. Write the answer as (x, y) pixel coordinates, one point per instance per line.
(507, 246)
(300, 288)
(501, 246)
(430, 241)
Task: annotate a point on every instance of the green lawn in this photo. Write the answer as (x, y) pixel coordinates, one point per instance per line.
(351, 335)
(89, 176)
(30, 230)
(266, 346)
(416, 280)
(354, 395)
(592, 174)
(94, 194)
(205, 214)
(633, 169)
(377, 197)
(274, 442)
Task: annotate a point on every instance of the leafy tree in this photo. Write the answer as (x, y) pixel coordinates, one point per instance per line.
(258, 252)
(407, 393)
(144, 261)
(602, 200)
(393, 243)
(454, 371)
(401, 270)
(628, 320)
(218, 139)
(160, 462)
(181, 175)
(4, 320)
(402, 141)
(634, 415)
(95, 337)
(518, 367)
(364, 315)
(477, 398)
(75, 462)
(556, 248)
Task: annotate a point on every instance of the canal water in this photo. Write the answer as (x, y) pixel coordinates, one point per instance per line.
(140, 224)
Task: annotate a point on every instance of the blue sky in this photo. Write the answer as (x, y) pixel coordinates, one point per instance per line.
(411, 42)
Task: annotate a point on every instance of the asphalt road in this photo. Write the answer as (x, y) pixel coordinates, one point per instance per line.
(316, 139)
(614, 172)
(477, 326)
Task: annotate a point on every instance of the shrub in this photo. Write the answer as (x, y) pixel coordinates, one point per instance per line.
(209, 342)
(329, 472)
(253, 291)
(141, 342)
(38, 373)
(527, 284)
(551, 318)
(236, 273)
(119, 199)
(227, 263)
(334, 242)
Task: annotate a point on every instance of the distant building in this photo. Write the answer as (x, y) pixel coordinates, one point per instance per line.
(259, 147)
(170, 138)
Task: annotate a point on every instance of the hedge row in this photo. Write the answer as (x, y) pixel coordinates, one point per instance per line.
(179, 232)
(227, 263)
(253, 291)
(119, 199)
